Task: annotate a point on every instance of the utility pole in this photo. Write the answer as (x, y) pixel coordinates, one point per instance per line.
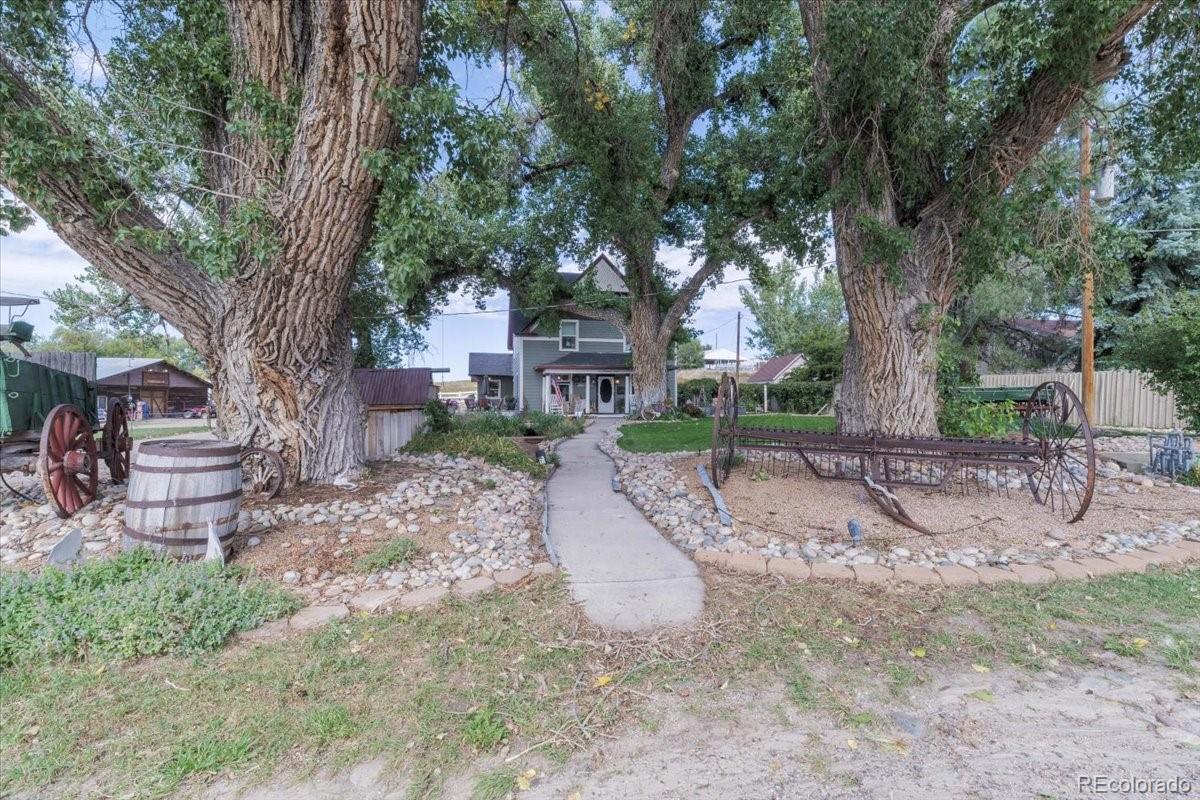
(737, 369)
(1088, 332)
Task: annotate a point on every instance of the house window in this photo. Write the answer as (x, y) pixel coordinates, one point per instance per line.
(493, 389)
(568, 334)
(626, 345)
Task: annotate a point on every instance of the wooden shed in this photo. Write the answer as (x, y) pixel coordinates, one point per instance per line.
(395, 401)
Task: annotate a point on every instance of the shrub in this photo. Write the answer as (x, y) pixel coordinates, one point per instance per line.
(700, 390)
(1163, 340)
(388, 555)
(960, 417)
(136, 604)
(437, 417)
(493, 449)
(533, 423)
(795, 396)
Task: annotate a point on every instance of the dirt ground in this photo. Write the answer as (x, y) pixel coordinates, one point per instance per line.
(290, 546)
(965, 735)
(802, 507)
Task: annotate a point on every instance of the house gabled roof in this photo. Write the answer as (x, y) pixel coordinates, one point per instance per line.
(521, 322)
(775, 369)
(395, 387)
(494, 364)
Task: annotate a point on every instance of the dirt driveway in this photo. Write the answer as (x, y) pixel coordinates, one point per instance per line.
(1002, 735)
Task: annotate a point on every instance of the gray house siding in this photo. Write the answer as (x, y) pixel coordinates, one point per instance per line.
(588, 329)
(533, 353)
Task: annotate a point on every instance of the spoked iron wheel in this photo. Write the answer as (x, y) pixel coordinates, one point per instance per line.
(724, 442)
(67, 460)
(262, 473)
(117, 442)
(1065, 475)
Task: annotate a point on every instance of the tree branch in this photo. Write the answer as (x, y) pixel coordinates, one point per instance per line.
(101, 217)
(714, 262)
(1019, 133)
(609, 315)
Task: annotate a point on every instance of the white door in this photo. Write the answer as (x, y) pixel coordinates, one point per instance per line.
(606, 396)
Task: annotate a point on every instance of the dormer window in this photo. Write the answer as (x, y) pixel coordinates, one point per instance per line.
(568, 334)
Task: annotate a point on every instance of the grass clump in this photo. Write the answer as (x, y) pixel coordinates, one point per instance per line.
(137, 604)
(388, 555)
(498, 450)
(495, 785)
(484, 729)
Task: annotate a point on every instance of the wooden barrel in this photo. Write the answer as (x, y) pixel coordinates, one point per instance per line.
(176, 488)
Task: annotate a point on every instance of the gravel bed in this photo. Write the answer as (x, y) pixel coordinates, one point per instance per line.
(663, 487)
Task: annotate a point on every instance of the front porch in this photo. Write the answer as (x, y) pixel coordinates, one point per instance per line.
(607, 393)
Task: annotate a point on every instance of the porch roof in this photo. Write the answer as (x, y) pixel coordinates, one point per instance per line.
(582, 362)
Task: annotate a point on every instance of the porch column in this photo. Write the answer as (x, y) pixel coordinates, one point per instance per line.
(587, 394)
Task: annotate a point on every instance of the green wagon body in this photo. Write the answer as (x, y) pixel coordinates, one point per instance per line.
(28, 391)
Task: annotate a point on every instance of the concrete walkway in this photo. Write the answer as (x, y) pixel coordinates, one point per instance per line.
(624, 573)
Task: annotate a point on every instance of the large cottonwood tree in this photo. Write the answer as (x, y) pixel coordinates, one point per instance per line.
(223, 162)
(926, 113)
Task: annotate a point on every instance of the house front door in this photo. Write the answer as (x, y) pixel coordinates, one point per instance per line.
(606, 395)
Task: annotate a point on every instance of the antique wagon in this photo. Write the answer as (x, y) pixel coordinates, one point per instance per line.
(55, 413)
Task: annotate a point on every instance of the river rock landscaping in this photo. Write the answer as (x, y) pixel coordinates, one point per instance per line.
(805, 519)
(413, 529)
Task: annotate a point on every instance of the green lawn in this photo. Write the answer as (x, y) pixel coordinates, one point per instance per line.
(696, 434)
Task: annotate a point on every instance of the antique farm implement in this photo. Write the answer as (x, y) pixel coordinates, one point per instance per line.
(1052, 454)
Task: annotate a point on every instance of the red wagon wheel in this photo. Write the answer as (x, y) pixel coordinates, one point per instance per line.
(1065, 475)
(262, 473)
(117, 442)
(67, 460)
(724, 439)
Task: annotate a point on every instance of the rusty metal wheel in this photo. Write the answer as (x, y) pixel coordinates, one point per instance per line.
(117, 442)
(262, 473)
(1065, 474)
(67, 460)
(724, 436)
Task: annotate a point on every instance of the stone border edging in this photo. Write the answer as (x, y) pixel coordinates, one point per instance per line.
(1179, 552)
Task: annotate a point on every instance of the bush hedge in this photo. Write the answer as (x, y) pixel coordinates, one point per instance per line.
(796, 397)
(136, 604)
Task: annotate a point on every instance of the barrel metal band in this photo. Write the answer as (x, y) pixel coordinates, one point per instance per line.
(183, 501)
(189, 526)
(171, 541)
(223, 467)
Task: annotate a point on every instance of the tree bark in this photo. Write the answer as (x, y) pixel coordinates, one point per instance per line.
(649, 353)
(889, 370)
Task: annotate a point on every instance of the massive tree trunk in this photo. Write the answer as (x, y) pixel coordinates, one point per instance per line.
(276, 333)
(889, 370)
(650, 349)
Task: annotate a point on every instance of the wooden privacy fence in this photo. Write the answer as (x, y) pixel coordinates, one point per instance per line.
(388, 430)
(1123, 399)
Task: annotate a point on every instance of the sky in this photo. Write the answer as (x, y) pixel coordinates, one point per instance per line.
(36, 262)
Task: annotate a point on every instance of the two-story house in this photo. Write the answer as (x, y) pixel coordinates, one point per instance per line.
(563, 363)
